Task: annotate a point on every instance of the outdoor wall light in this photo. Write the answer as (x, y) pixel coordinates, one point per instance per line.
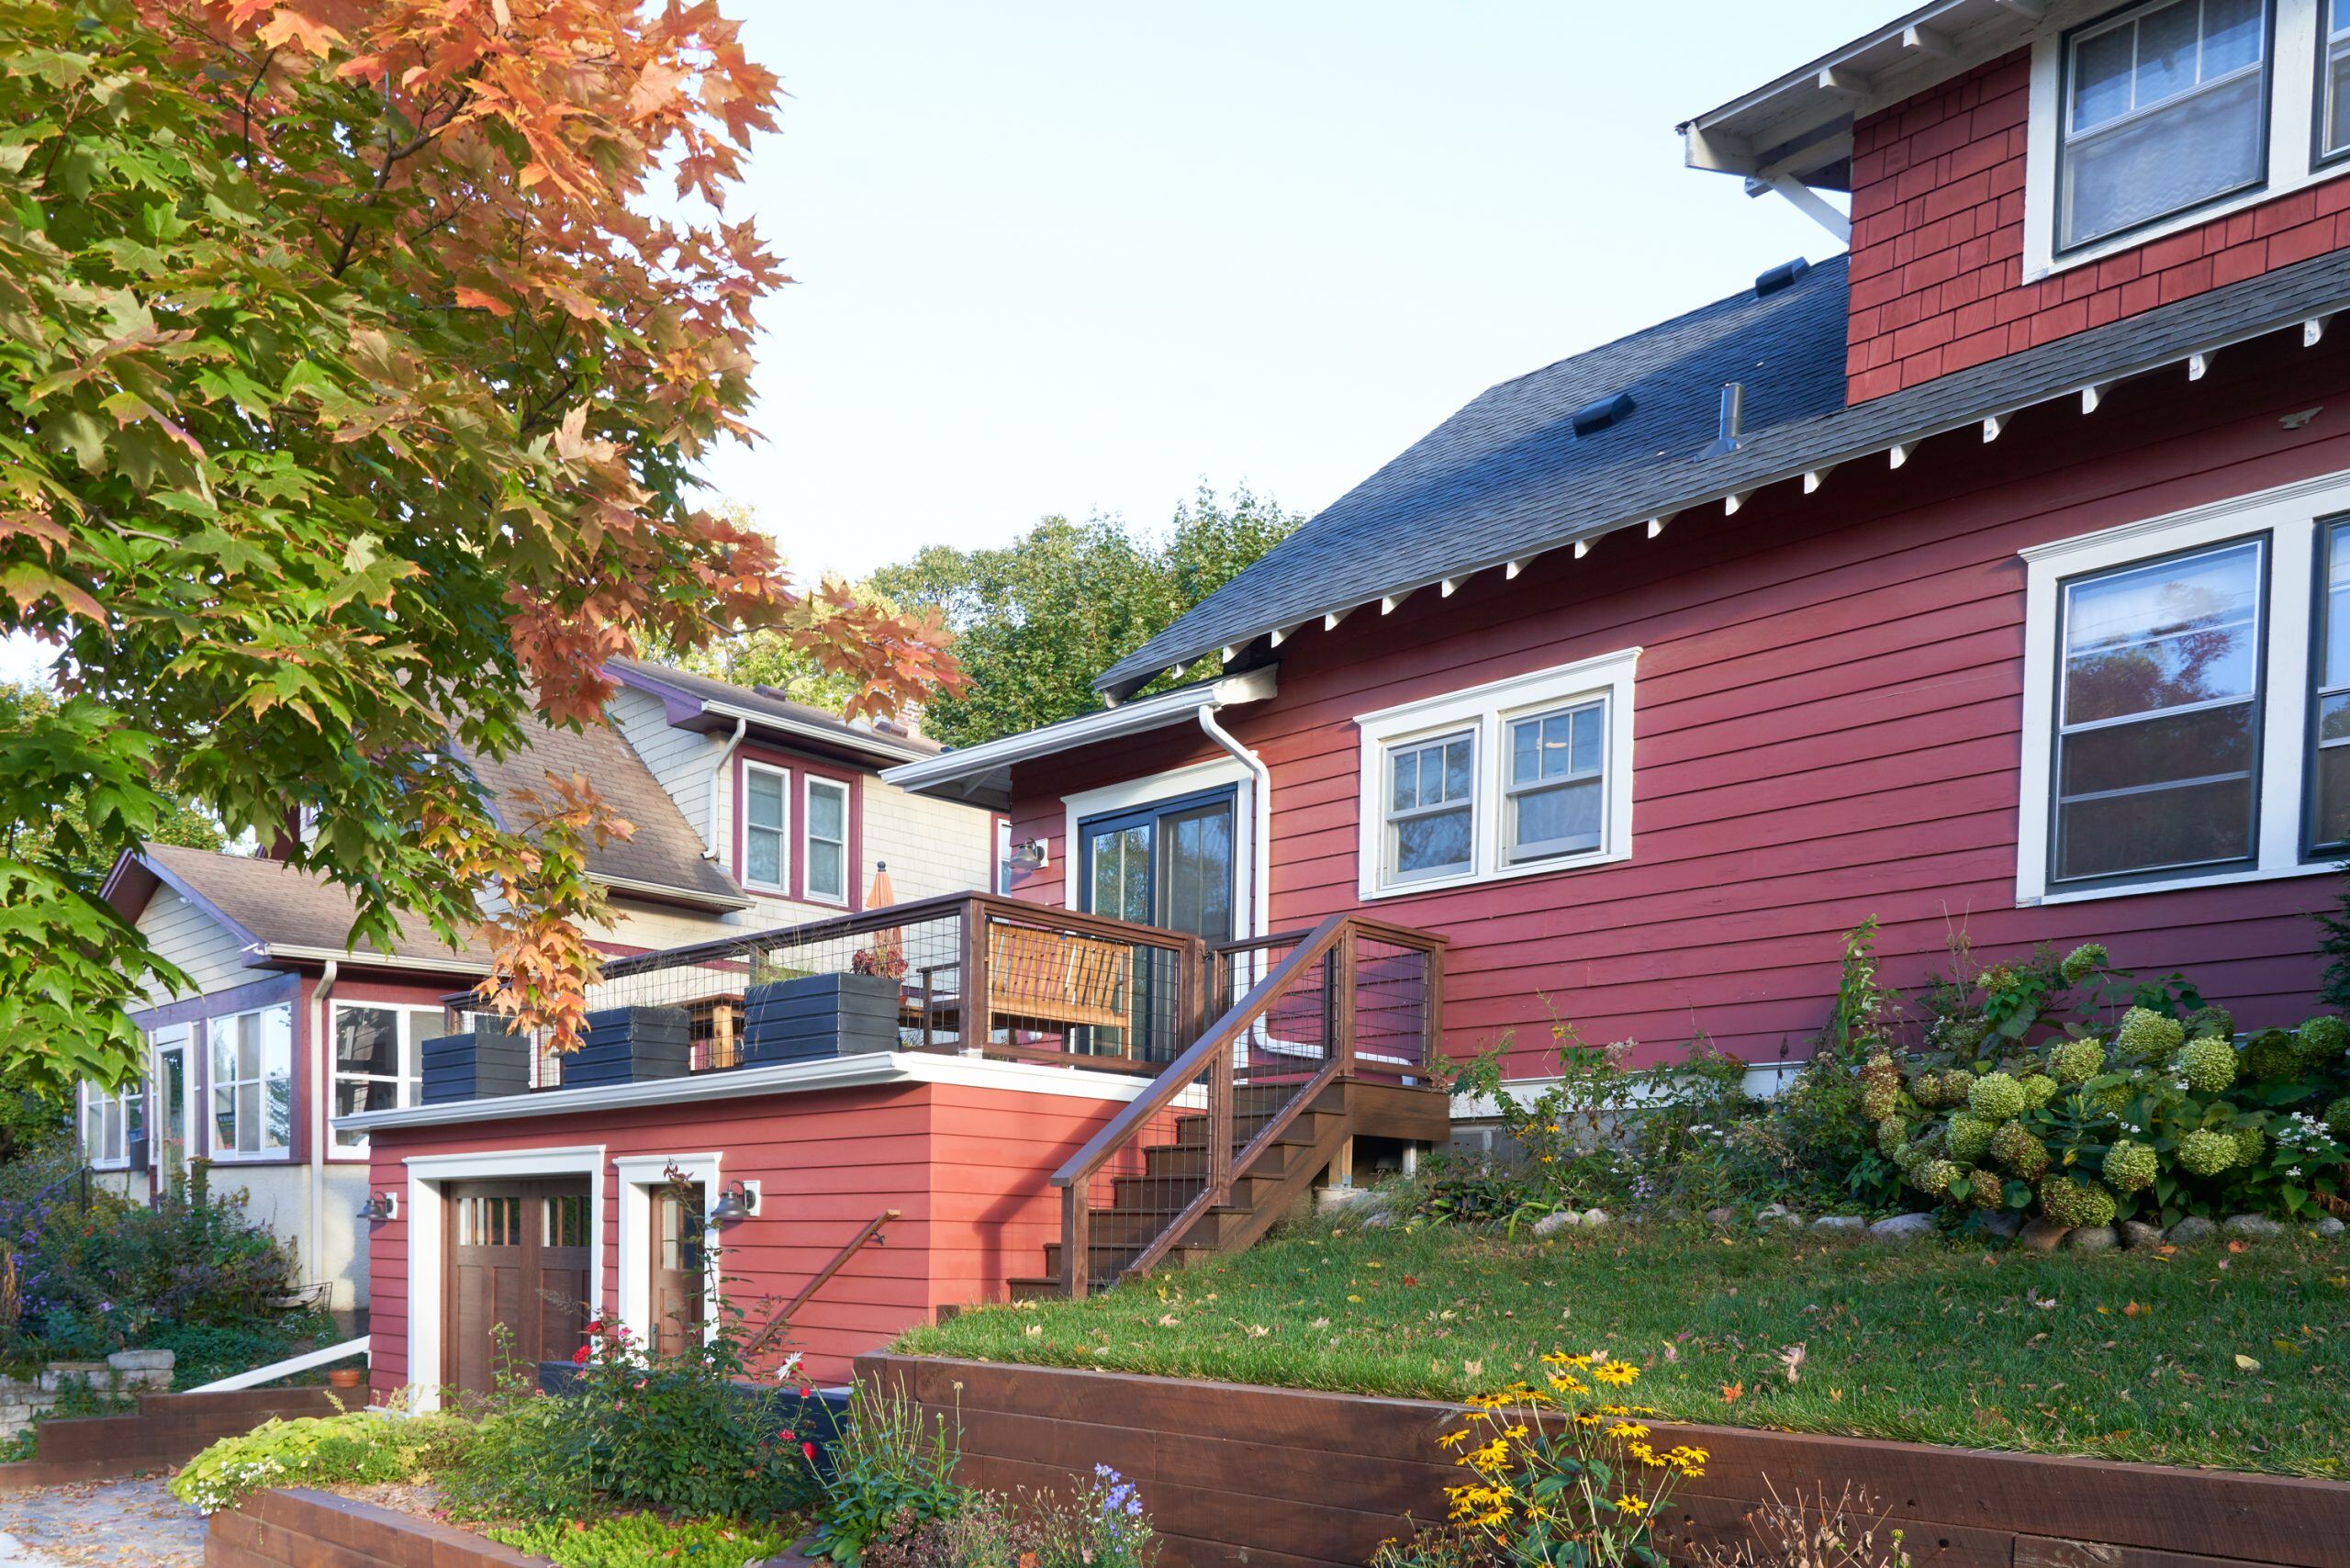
(735, 1205)
(1029, 855)
(379, 1207)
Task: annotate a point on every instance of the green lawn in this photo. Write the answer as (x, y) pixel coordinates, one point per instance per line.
(2233, 1359)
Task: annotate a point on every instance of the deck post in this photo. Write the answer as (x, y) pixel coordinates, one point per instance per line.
(1220, 1127)
(1342, 997)
(978, 1018)
(1077, 1242)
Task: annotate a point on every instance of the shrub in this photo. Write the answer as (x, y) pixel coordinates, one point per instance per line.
(2150, 1036)
(1849, 1532)
(359, 1445)
(2075, 1061)
(2067, 1202)
(2208, 1066)
(892, 1471)
(1995, 1097)
(643, 1540)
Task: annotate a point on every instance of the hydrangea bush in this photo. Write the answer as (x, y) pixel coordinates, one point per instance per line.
(2028, 1098)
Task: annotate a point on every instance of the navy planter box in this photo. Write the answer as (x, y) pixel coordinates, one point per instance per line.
(631, 1045)
(817, 1016)
(491, 1061)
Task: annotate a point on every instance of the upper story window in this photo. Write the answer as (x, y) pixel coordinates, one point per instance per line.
(252, 1082)
(377, 1057)
(826, 863)
(2166, 107)
(2333, 81)
(766, 794)
(2186, 708)
(1518, 777)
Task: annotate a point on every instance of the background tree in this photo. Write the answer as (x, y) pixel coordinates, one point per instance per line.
(1038, 619)
(60, 834)
(356, 358)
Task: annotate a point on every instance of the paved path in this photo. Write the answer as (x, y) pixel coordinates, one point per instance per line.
(100, 1524)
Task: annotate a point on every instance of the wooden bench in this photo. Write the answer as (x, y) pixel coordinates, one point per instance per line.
(1055, 978)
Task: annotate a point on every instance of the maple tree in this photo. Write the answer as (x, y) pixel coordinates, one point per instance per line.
(356, 357)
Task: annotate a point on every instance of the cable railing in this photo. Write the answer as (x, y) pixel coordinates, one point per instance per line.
(1298, 1011)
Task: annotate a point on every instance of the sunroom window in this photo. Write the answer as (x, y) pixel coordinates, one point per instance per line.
(110, 1124)
(1555, 792)
(2158, 717)
(2166, 107)
(1431, 805)
(252, 1082)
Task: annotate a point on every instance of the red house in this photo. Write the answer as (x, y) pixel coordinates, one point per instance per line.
(1979, 580)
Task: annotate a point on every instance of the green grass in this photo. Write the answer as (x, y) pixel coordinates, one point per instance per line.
(2234, 1360)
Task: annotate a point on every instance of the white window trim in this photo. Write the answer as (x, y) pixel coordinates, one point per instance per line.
(637, 1175)
(411, 1071)
(781, 886)
(2292, 110)
(1486, 710)
(91, 1097)
(809, 784)
(213, 1150)
(2288, 514)
(426, 1213)
(1149, 789)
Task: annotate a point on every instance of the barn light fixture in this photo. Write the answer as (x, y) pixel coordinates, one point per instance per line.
(734, 1205)
(1029, 855)
(379, 1207)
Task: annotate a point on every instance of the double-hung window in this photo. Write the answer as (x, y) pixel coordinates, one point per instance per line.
(2334, 78)
(377, 1051)
(110, 1124)
(252, 1082)
(2187, 699)
(825, 862)
(766, 795)
(1510, 779)
(2166, 107)
(1431, 807)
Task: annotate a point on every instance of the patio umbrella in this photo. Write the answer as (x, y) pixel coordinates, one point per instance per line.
(889, 948)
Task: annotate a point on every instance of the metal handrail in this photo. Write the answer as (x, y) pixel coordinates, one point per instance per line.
(287, 1367)
(782, 1321)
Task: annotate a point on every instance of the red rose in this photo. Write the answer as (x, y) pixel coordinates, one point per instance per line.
(809, 1450)
(579, 1357)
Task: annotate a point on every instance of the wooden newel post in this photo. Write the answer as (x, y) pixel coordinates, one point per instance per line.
(1432, 1049)
(1077, 1240)
(1219, 1134)
(979, 1016)
(1342, 995)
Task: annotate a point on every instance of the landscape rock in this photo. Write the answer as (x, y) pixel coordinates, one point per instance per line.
(1551, 1223)
(2002, 1223)
(2094, 1239)
(2253, 1226)
(2137, 1235)
(1903, 1228)
(2329, 1226)
(1723, 1216)
(2041, 1236)
(1378, 1221)
(1595, 1216)
(2191, 1230)
(1777, 1214)
(1839, 1221)
(140, 1360)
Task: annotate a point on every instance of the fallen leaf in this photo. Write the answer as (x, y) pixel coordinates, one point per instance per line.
(2245, 1363)
(1734, 1391)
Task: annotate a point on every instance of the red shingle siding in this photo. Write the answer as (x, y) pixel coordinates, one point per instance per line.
(1937, 267)
(1828, 714)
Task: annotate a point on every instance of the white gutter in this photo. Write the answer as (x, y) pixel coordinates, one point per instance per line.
(718, 771)
(855, 739)
(1260, 837)
(268, 952)
(322, 1090)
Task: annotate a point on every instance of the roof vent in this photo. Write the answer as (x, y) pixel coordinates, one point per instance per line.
(1733, 419)
(1593, 418)
(1780, 277)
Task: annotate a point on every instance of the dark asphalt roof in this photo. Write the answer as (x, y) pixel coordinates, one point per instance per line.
(761, 703)
(1507, 477)
(270, 902)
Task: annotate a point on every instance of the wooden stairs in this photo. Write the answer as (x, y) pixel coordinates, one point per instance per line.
(1173, 1171)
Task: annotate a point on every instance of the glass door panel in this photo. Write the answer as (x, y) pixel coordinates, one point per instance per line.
(1169, 865)
(171, 1109)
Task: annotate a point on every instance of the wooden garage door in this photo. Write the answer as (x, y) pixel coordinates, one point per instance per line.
(517, 1257)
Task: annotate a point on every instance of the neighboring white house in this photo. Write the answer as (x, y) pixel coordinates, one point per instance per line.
(749, 811)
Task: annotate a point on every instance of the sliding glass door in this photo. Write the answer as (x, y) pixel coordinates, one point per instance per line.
(1169, 864)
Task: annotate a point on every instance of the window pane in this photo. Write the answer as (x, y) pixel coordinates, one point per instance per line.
(1525, 751)
(277, 1042)
(367, 1039)
(1438, 842)
(764, 792)
(1562, 818)
(2231, 36)
(2156, 637)
(1404, 792)
(2166, 38)
(1585, 751)
(249, 1117)
(2337, 606)
(2186, 825)
(2157, 751)
(224, 1116)
(223, 1034)
(763, 849)
(824, 878)
(827, 813)
(2101, 77)
(2336, 90)
(2197, 147)
(1456, 770)
(2331, 811)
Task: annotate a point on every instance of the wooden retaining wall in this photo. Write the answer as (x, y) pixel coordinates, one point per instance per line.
(1284, 1478)
(165, 1431)
(300, 1529)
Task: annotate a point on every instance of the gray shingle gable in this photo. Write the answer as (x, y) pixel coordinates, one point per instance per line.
(1506, 477)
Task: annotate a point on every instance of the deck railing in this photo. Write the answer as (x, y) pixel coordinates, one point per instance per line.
(1351, 997)
(974, 973)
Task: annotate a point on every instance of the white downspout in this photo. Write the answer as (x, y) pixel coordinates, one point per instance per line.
(718, 771)
(321, 1093)
(1261, 839)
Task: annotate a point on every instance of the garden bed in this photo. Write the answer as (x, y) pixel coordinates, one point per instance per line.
(1298, 1479)
(2204, 1356)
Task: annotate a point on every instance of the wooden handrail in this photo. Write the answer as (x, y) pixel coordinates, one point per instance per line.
(782, 1321)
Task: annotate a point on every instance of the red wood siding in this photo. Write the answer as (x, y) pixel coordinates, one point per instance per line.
(1937, 250)
(1827, 727)
(967, 1168)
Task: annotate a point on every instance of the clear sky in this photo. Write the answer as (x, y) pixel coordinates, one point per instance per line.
(1078, 257)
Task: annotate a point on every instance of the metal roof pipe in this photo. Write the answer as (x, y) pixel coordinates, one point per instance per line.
(1261, 833)
(1733, 419)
